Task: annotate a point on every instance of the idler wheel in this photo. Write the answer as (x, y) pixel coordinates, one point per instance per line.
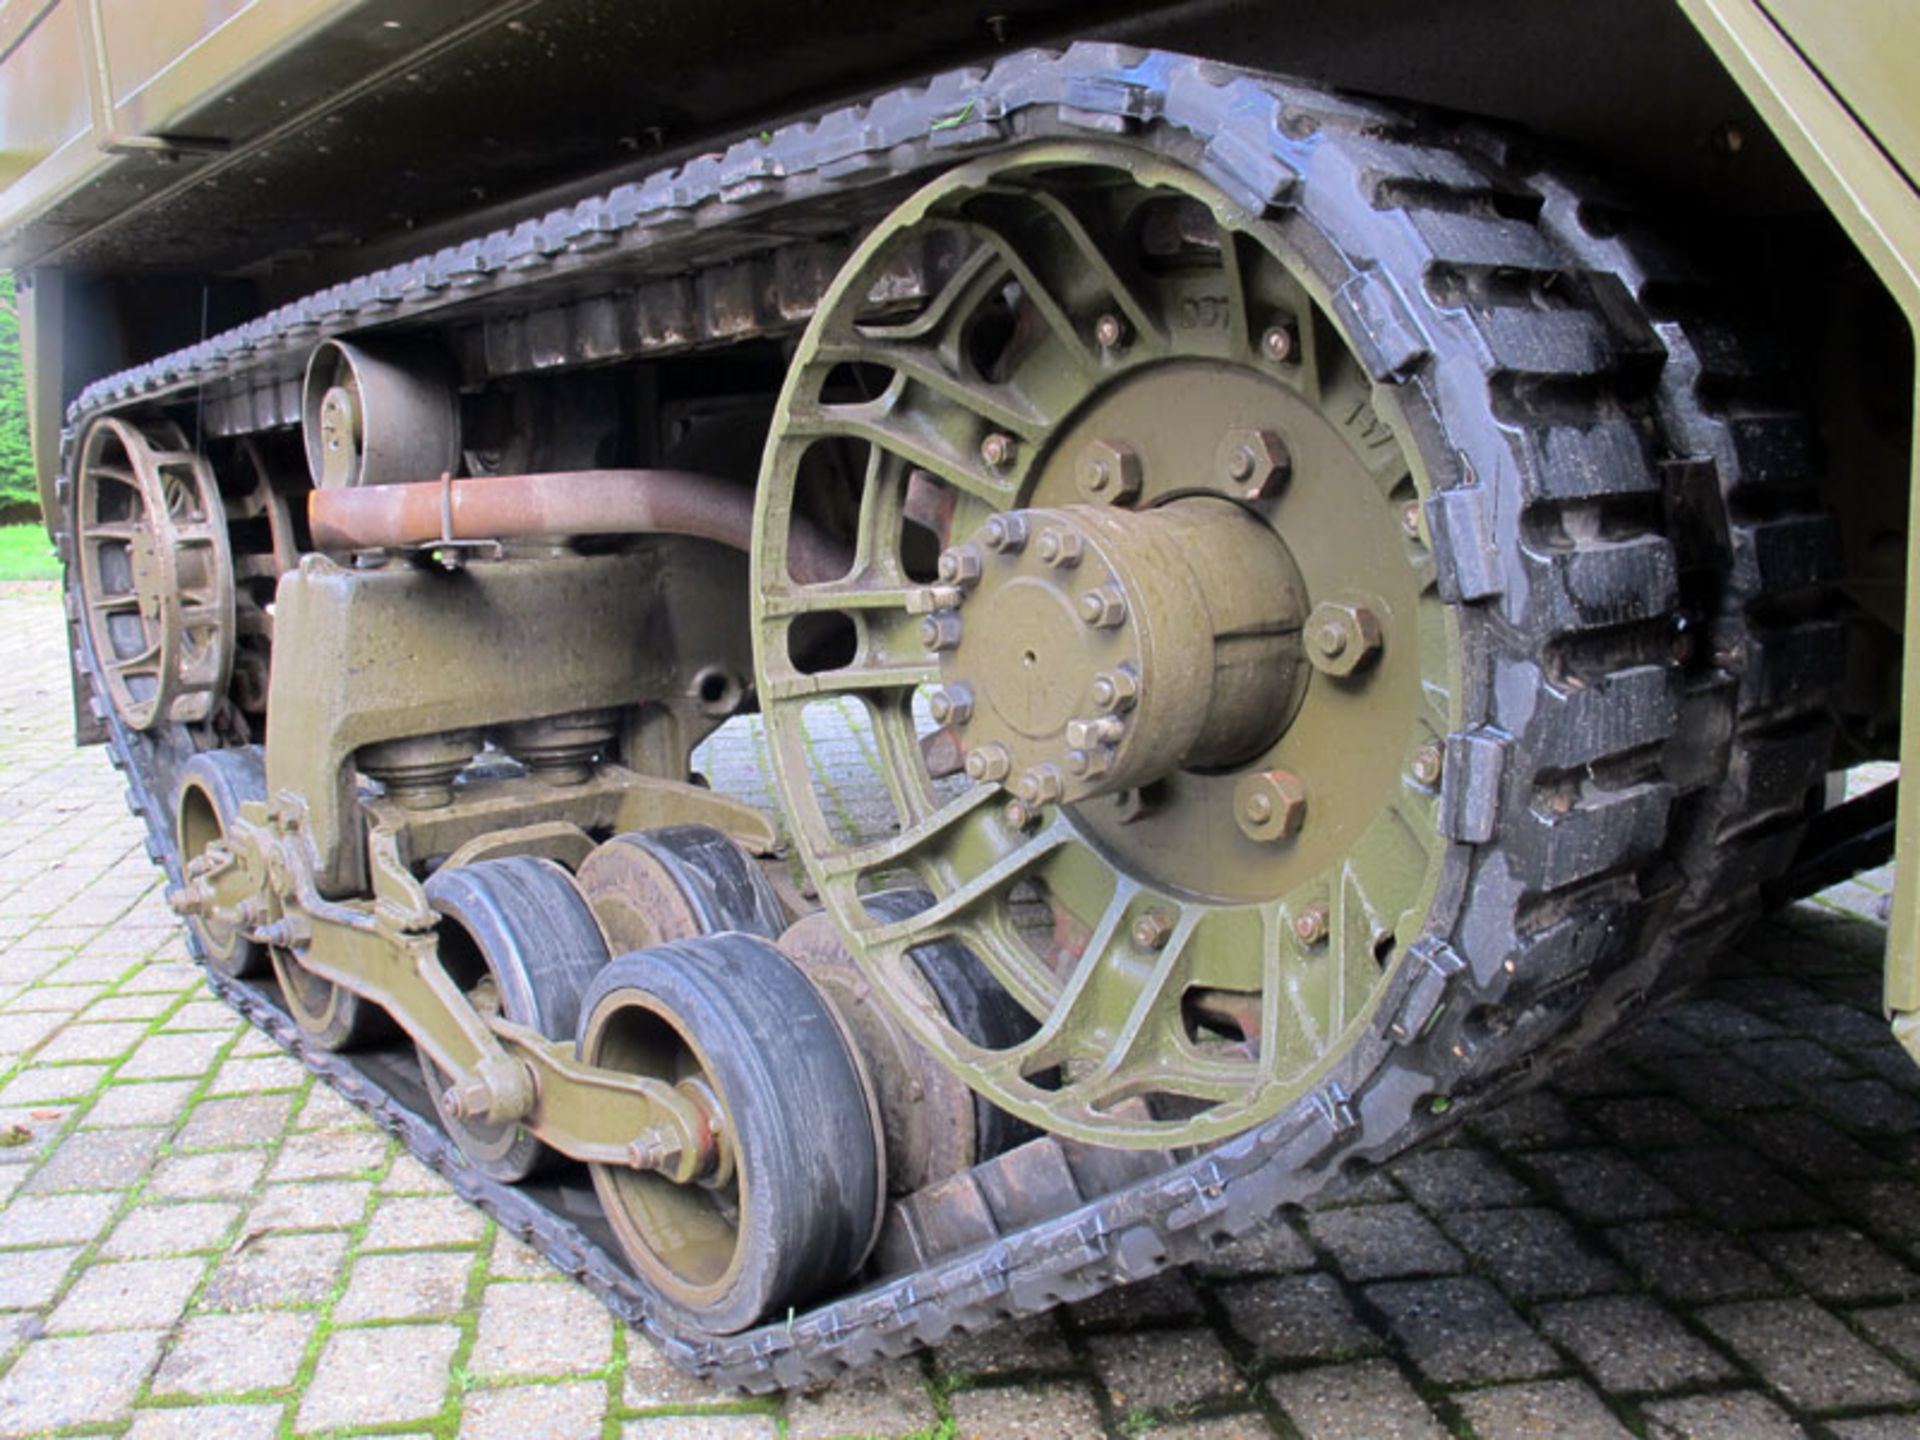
(792, 1199)
(155, 571)
(213, 786)
(519, 939)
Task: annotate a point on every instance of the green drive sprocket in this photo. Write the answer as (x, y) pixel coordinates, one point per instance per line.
(1136, 527)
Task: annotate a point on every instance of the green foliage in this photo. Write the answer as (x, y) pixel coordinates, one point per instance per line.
(27, 554)
(17, 485)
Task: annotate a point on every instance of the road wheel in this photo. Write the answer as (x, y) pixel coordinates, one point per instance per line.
(789, 1201)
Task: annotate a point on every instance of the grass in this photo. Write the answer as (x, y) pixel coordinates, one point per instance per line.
(27, 554)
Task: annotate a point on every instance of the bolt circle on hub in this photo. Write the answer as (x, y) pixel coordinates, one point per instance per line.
(1098, 484)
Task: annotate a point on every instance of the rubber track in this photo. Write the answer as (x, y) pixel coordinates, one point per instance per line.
(1542, 888)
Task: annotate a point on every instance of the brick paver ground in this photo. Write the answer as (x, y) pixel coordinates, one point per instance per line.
(1712, 1231)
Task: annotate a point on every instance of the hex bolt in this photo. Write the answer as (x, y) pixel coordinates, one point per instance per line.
(1116, 689)
(928, 598)
(654, 1149)
(989, 764)
(1311, 924)
(1085, 734)
(1427, 762)
(1270, 805)
(951, 704)
(1256, 463)
(1041, 785)
(961, 565)
(1061, 549)
(1005, 534)
(1410, 519)
(1019, 815)
(1277, 344)
(469, 1099)
(1108, 473)
(1342, 635)
(1104, 608)
(1153, 929)
(940, 631)
(998, 450)
(1089, 764)
(1110, 331)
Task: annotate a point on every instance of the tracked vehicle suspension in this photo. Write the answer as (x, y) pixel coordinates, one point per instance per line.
(1280, 310)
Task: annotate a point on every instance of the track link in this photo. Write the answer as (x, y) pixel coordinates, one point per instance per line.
(1553, 879)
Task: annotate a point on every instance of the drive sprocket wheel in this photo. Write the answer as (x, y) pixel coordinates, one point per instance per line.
(1282, 598)
(155, 571)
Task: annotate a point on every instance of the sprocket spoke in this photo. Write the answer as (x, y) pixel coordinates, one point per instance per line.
(928, 446)
(994, 407)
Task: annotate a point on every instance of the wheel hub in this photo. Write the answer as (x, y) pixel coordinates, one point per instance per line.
(1087, 650)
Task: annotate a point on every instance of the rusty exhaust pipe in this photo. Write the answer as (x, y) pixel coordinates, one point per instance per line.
(577, 502)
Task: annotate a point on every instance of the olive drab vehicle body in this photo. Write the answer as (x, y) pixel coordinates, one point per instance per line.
(1355, 537)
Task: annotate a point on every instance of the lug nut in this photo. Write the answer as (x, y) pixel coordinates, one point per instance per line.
(1040, 786)
(961, 565)
(940, 631)
(998, 450)
(1342, 635)
(1410, 519)
(1256, 463)
(1085, 734)
(1109, 473)
(1277, 344)
(1310, 925)
(951, 704)
(1110, 331)
(1006, 534)
(1426, 764)
(1153, 929)
(1060, 548)
(1104, 608)
(1116, 689)
(988, 764)
(1270, 805)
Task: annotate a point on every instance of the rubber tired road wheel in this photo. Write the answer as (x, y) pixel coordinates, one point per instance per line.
(331, 1017)
(790, 1211)
(935, 1126)
(213, 786)
(651, 886)
(518, 937)
(1303, 610)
